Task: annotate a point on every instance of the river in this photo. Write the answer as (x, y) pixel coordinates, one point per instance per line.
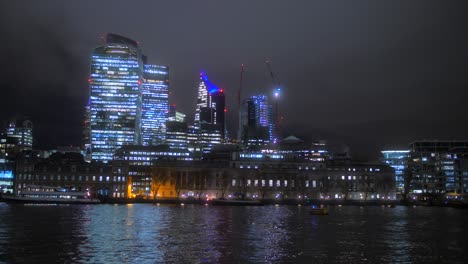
(145, 233)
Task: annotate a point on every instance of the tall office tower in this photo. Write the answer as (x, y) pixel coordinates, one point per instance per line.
(210, 103)
(258, 121)
(115, 96)
(218, 106)
(21, 130)
(209, 122)
(155, 104)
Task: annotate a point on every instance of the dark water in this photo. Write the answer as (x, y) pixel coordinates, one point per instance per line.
(144, 233)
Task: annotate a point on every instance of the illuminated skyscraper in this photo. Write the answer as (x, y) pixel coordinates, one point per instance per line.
(258, 122)
(204, 101)
(218, 106)
(209, 115)
(115, 96)
(155, 104)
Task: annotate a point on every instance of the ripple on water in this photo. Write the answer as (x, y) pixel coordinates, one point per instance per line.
(143, 233)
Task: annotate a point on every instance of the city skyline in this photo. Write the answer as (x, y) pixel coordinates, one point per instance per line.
(364, 76)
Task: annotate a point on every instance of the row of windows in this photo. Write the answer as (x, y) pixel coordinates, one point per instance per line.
(71, 178)
(272, 183)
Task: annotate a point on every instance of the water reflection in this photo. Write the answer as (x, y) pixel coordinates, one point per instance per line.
(144, 233)
(40, 233)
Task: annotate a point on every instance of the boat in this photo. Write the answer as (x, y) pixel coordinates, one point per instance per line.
(318, 210)
(51, 195)
(235, 202)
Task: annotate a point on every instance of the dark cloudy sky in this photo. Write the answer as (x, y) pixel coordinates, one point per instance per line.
(369, 74)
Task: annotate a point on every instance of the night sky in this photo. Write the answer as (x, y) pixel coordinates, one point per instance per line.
(368, 74)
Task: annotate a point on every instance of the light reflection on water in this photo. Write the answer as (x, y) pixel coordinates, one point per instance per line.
(143, 233)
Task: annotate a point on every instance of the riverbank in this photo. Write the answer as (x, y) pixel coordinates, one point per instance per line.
(390, 203)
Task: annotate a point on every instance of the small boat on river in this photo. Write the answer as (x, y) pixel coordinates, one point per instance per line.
(318, 210)
(51, 195)
(235, 202)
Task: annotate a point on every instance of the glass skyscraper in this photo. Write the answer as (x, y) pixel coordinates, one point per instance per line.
(128, 101)
(115, 96)
(209, 115)
(258, 121)
(155, 104)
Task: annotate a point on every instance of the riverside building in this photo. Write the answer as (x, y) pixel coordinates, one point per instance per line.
(438, 168)
(69, 170)
(398, 160)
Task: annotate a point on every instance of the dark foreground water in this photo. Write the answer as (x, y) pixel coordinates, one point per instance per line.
(144, 233)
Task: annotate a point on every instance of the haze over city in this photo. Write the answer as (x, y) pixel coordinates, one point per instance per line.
(364, 74)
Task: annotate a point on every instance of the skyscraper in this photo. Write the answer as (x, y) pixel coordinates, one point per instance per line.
(210, 103)
(155, 104)
(258, 121)
(128, 101)
(209, 115)
(115, 96)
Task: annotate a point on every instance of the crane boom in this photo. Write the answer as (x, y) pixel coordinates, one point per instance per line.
(277, 91)
(240, 86)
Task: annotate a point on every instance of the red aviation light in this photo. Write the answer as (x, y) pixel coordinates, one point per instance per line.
(225, 110)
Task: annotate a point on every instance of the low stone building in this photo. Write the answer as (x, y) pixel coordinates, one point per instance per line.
(69, 170)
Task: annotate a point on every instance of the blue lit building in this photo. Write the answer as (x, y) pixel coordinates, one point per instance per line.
(259, 124)
(115, 96)
(397, 159)
(155, 104)
(7, 165)
(209, 122)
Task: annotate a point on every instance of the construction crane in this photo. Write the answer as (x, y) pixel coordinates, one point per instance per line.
(240, 86)
(277, 92)
(239, 104)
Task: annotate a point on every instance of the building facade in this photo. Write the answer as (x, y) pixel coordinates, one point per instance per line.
(128, 102)
(258, 122)
(115, 96)
(20, 129)
(438, 169)
(209, 125)
(398, 160)
(155, 104)
(71, 171)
